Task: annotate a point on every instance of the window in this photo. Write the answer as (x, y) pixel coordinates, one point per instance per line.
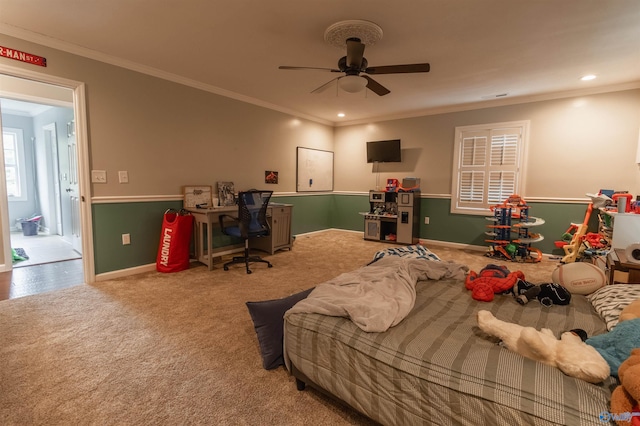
(487, 165)
(14, 163)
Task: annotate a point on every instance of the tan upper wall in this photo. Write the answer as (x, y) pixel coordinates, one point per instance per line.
(167, 135)
(577, 145)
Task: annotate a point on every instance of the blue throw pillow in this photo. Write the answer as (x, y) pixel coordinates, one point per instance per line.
(268, 321)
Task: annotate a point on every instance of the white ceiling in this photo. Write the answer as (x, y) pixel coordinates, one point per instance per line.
(528, 49)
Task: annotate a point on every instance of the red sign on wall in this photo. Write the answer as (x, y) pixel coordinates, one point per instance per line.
(22, 56)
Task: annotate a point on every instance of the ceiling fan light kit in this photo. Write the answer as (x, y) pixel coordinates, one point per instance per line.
(355, 35)
(353, 83)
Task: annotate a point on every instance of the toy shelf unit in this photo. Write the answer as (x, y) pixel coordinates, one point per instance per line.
(393, 217)
(510, 233)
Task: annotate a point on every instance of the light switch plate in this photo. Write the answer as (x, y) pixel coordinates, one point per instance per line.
(123, 176)
(98, 176)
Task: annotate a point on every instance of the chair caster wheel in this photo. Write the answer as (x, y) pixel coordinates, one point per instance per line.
(270, 266)
(248, 271)
(226, 268)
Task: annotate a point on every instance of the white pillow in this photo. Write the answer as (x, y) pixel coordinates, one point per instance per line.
(610, 300)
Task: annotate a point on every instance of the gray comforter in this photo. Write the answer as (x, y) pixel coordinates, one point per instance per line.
(377, 296)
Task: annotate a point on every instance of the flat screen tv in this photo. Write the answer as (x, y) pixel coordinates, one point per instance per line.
(384, 151)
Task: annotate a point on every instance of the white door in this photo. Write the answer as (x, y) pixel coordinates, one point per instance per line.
(51, 145)
(68, 164)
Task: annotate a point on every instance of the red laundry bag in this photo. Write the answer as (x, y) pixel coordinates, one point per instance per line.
(175, 239)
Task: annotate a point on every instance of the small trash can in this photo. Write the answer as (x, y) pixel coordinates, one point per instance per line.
(30, 226)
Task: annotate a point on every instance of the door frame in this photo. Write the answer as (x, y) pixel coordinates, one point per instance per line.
(84, 178)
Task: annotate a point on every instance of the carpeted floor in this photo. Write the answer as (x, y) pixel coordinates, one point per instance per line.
(175, 348)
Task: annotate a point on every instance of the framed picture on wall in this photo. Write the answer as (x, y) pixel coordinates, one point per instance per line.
(226, 194)
(270, 177)
(197, 195)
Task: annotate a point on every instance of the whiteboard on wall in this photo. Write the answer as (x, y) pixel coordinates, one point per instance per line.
(315, 170)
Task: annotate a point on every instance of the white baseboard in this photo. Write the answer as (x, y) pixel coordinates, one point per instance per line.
(328, 229)
(427, 243)
(125, 272)
(449, 244)
(145, 268)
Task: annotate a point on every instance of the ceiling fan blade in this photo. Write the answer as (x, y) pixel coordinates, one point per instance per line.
(376, 87)
(284, 67)
(355, 53)
(325, 86)
(398, 69)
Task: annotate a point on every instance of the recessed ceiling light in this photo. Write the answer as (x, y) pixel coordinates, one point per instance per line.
(588, 77)
(341, 114)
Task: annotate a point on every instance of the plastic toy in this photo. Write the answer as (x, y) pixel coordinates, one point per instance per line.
(392, 185)
(627, 203)
(513, 209)
(578, 231)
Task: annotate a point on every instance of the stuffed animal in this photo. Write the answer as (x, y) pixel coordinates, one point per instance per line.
(492, 279)
(631, 311)
(548, 294)
(616, 345)
(624, 399)
(570, 354)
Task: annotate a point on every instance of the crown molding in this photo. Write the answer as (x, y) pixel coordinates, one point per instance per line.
(497, 103)
(74, 49)
(53, 43)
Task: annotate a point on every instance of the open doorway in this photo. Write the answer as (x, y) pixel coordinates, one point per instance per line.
(43, 202)
(41, 216)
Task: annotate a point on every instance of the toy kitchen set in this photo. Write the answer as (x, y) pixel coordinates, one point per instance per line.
(394, 214)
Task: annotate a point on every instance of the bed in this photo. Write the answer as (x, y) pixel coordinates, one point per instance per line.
(436, 367)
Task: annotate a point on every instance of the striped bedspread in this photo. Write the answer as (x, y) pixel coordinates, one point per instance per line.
(437, 367)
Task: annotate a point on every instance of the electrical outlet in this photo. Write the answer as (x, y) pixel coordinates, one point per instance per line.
(426, 220)
(126, 239)
(123, 176)
(98, 176)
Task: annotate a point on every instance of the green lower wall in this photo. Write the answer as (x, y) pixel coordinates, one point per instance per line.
(310, 213)
(143, 221)
(466, 229)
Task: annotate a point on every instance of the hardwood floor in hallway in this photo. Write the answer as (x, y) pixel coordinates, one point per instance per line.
(40, 278)
(52, 264)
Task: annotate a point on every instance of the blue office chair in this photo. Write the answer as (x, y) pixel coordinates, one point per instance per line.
(250, 223)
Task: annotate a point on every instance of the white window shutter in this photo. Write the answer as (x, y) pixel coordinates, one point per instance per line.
(487, 165)
(471, 187)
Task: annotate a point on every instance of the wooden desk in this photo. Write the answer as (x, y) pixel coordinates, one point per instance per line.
(278, 215)
(203, 223)
(620, 269)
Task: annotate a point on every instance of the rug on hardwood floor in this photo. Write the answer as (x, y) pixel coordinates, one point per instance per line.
(19, 254)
